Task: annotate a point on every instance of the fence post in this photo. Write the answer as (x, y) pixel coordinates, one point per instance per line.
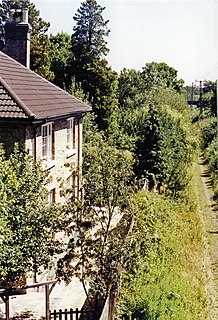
(112, 304)
(7, 310)
(60, 314)
(55, 315)
(65, 313)
(71, 314)
(77, 314)
(47, 307)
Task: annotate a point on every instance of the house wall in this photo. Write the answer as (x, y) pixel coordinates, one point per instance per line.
(11, 133)
(31, 137)
(57, 167)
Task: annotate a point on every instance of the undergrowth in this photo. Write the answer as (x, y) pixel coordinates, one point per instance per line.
(163, 277)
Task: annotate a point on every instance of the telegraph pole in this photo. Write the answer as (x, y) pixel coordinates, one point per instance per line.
(201, 97)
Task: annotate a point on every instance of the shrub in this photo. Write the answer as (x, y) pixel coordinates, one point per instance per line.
(163, 279)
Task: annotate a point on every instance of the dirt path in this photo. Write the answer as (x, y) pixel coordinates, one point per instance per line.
(209, 213)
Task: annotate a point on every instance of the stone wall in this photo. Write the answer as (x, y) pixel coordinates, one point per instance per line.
(10, 134)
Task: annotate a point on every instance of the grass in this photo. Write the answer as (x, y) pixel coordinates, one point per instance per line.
(209, 227)
(165, 278)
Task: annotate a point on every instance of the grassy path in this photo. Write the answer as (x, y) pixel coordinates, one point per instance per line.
(209, 217)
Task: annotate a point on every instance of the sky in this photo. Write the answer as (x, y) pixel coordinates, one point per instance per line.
(183, 34)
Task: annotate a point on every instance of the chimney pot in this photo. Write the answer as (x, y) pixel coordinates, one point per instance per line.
(17, 36)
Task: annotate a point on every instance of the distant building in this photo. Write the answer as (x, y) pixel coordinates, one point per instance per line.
(35, 112)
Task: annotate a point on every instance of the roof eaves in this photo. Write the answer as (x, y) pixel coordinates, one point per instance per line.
(64, 116)
(16, 99)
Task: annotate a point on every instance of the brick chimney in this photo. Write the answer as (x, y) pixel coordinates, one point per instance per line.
(17, 36)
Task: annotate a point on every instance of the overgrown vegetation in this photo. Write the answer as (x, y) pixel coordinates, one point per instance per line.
(141, 136)
(107, 191)
(208, 127)
(27, 222)
(164, 277)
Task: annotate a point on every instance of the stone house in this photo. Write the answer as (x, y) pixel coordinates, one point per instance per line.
(35, 112)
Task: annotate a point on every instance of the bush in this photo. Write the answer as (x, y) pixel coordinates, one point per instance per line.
(211, 157)
(208, 131)
(163, 278)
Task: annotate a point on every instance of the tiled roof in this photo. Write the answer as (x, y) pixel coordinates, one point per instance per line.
(24, 94)
(8, 108)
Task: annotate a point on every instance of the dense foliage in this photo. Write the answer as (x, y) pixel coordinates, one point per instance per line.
(207, 120)
(89, 67)
(155, 124)
(27, 222)
(94, 254)
(162, 277)
(60, 64)
(160, 74)
(141, 133)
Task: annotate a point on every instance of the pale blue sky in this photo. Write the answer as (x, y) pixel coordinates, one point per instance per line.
(184, 33)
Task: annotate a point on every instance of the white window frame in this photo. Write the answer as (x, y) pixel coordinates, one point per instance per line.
(71, 136)
(47, 141)
(51, 196)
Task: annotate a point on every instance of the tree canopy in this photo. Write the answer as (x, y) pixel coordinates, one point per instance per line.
(107, 190)
(160, 74)
(88, 41)
(27, 222)
(89, 67)
(61, 59)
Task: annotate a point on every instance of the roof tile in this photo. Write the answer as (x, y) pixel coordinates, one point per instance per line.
(8, 108)
(34, 93)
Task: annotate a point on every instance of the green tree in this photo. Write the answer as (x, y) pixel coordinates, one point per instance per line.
(127, 122)
(94, 247)
(88, 42)
(89, 67)
(209, 97)
(166, 144)
(131, 89)
(40, 47)
(207, 121)
(154, 115)
(60, 64)
(41, 55)
(136, 91)
(101, 82)
(160, 74)
(28, 222)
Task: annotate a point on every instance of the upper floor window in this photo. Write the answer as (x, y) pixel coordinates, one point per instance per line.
(51, 196)
(47, 141)
(71, 133)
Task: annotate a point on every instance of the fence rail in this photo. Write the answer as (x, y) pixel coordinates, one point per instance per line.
(72, 314)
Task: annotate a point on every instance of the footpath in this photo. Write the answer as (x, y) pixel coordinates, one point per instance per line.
(209, 216)
(32, 305)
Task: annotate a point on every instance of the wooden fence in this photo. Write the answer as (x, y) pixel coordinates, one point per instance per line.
(72, 314)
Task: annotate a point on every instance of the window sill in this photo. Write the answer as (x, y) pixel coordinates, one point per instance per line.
(71, 152)
(48, 164)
